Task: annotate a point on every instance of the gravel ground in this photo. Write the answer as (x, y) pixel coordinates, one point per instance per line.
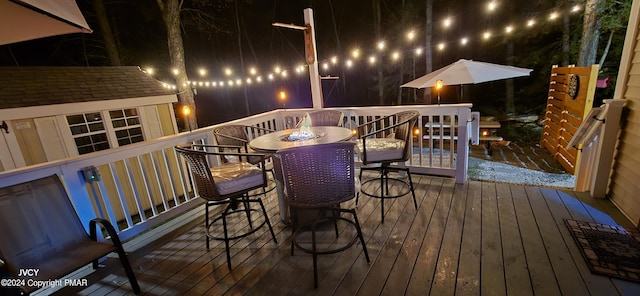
(485, 170)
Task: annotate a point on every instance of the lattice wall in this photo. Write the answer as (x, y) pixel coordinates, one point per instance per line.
(571, 93)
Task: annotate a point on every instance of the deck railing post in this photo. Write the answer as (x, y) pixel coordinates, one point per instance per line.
(606, 147)
(462, 156)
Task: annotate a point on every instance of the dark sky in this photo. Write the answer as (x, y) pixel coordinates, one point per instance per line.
(340, 26)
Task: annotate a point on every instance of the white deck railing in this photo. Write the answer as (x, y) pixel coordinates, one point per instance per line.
(145, 184)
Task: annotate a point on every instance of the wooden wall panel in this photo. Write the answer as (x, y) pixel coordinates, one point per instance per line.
(624, 187)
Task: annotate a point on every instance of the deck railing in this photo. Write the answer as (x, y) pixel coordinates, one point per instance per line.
(146, 183)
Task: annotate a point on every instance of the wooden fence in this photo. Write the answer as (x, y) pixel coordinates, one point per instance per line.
(571, 94)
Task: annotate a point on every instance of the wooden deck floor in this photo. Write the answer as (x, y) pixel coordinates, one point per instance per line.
(479, 238)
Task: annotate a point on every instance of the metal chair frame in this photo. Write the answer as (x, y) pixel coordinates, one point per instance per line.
(404, 122)
(196, 156)
(316, 184)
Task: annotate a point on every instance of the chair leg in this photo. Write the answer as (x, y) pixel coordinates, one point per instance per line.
(413, 193)
(206, 223)
(382, 182)
(266, 218)
(247, 208)
(294, 226)
(358, 193)
(127, 269)
(315, 254)
(335, 221)
(359, 230)
(226, 235)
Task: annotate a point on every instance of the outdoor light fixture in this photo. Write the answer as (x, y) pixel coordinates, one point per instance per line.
(5, 127)
(90, 174)
(186, 111)
(439, 85)
(283, 97)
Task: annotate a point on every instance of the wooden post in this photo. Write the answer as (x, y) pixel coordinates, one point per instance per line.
(314, 74)
(606, 148)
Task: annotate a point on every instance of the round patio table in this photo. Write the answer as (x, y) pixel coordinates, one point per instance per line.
(275, 141)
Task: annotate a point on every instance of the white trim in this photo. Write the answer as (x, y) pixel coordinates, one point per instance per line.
(630, 42)
(83, 107)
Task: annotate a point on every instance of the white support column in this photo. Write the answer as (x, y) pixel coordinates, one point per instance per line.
(606, 147)
(462, 157)
(314, 74)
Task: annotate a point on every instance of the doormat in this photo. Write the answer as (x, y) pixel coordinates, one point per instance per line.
(609, 250)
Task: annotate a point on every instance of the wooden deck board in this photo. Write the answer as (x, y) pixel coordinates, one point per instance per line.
(491, 262)
(515, 264)
(464, 239)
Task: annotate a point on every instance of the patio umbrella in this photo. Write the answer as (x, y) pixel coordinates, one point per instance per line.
(22, 20)
(467, 72)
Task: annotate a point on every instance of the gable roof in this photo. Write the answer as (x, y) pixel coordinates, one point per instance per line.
(37, 86)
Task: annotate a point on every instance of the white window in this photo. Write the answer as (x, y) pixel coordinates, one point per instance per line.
(88, 132)
(92, 131)
(126, 125)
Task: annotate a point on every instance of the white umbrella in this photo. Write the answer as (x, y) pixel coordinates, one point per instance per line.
(467, 72)
(22, 20)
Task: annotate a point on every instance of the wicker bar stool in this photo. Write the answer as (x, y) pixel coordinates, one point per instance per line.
(237, 135)
(378, 148)
(324, 118)
(227, 184)
(317, 180)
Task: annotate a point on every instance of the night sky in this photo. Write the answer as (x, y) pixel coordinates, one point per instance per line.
(340, 27)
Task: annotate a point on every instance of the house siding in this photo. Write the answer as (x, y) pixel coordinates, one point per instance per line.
(624, 188)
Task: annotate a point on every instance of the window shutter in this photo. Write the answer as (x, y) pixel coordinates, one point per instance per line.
(51, 138)
(151, 122)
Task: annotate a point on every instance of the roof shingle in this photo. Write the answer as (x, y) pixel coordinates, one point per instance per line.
(36, 86)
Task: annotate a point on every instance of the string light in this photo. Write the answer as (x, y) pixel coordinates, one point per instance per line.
(576, 8)
(357, 53)
(508, 29)
(411, 35)
(531, 22)
(492, 6)
(447, 22)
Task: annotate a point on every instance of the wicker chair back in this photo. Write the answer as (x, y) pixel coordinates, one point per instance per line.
(319, 175)
(403, 131)
(201, 172)
(324, 118)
